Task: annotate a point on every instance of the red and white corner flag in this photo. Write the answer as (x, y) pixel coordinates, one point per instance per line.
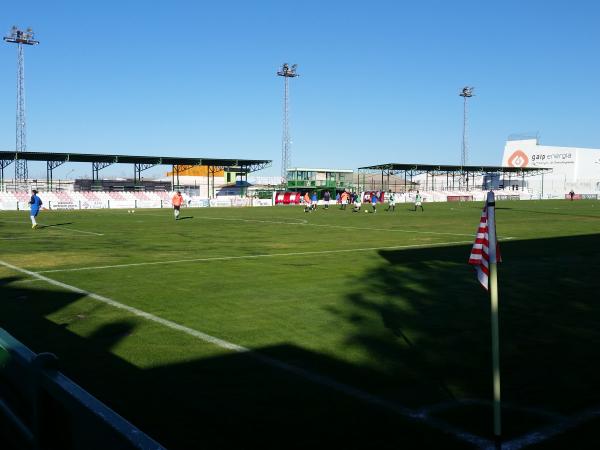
(485, 249)
(484, 256)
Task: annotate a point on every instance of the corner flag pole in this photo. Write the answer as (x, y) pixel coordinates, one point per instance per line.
(491, 206)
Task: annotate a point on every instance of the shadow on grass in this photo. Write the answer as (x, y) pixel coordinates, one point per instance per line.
(437, 319)
(54, 225)
(186, 217)
(227, 401)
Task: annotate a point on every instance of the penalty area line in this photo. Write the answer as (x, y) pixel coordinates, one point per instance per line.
(276, 363)
(264, 255)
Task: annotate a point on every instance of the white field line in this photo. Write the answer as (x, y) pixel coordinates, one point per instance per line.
(306, 223)
(55, 228)
(63, 229)
(298, 371)
(443, 406)
(34, 238)
(549, 431)
(264, 255)
(298, 221)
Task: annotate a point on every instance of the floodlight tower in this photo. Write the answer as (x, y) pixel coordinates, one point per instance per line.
(21, 38)
(466, 93)
(286, 72)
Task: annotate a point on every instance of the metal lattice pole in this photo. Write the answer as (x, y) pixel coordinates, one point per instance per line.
(465, 93)
(21, 139)
(285, 142)
(286, 72)
(21, 38)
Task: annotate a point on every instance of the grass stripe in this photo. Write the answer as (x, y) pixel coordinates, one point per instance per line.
(265, 255)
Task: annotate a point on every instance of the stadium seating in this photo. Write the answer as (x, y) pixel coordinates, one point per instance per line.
(102, 199)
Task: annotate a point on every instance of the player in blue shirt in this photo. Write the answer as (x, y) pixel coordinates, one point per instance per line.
(36, 205)
(374, 201)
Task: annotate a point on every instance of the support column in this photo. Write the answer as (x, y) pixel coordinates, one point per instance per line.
(138, 168)
(213, 182)
(96, 167)
(50, 166)
(3, 163)
(388, 180)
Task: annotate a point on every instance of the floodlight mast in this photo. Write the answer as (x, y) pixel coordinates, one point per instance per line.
(21, 38)
(466, 93)
(286, 72)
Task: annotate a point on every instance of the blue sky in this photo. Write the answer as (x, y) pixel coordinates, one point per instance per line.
(379, 79)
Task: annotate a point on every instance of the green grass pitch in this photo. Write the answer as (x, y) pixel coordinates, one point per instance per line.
(379, 317)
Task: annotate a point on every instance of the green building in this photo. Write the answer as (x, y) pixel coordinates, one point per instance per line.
(320, 180)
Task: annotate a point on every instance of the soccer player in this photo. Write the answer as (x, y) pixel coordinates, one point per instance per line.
(357, 203)
(306, 203)
(314, 201)
(36, 205)
(177, 202)
(419, 201)
(392, 202)
(374, 201)
(326, 198)
(344, 197)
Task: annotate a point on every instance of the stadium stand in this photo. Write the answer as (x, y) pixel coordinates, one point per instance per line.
(113, 199)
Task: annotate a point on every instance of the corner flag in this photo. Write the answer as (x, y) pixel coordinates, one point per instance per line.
(484, 256)
(485, 249)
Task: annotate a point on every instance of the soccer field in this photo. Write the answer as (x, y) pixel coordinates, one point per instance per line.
(272, 328)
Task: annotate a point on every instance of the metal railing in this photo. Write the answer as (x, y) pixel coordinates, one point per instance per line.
(44, 409)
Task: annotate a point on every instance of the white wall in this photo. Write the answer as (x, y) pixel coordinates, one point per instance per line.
(572, 167)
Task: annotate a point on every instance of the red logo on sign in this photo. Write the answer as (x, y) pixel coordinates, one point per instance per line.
(518, 159)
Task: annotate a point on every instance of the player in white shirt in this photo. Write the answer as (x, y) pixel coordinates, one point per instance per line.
(391, 201)
(419, 201)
